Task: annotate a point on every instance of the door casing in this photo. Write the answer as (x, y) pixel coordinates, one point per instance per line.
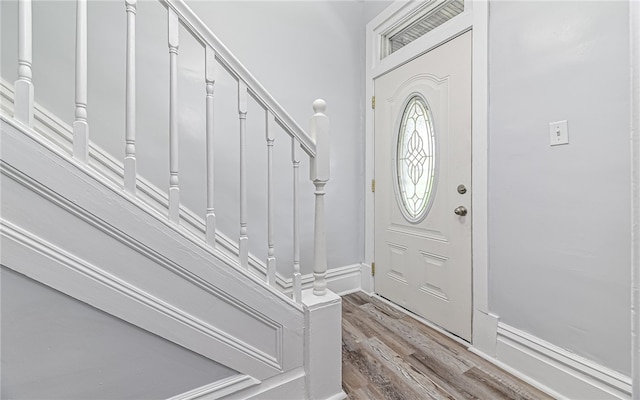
(475, 17)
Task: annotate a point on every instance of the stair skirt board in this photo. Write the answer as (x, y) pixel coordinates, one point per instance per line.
(554, 370)
(341, 280)
(59, 227)
(220, 389)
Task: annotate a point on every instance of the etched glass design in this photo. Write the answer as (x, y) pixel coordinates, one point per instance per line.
(415, 160)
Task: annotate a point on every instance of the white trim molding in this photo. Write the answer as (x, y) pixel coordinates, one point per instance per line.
(475, 18)
(634, 33)
(555, 370)
(217, 390)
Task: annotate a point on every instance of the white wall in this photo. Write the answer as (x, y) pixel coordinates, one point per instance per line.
(559, 223)
(298, 50)
(55, 347)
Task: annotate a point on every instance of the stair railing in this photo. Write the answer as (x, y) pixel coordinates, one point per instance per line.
(315, 144)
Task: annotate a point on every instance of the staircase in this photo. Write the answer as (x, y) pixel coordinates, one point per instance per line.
(80, 221)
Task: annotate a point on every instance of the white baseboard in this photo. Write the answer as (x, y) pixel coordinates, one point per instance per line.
(366, 279)
(287, 386)
(485, 331)
(220, 389)
(554, 370)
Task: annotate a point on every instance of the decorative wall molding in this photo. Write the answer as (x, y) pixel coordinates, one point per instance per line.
(217, 390)
(288, 385)
(30, 255)
(556, 370)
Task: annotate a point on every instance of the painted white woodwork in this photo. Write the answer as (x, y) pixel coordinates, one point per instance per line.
(203, 33)
(243, 241)
(479, 162)
(345, 217)
(76, 262)
(288, 385)
(634, 33)
(340, 280)
(220, 389)
(485, 331)
(295, 159)
(210, 77)
(130, 101)
(174, 188)
(80, 125)
(177, 282)
(95, 356)
(555, 370)
(24, 86)
(271, 257)
(425, 265)
(319, 173)
(323, 344)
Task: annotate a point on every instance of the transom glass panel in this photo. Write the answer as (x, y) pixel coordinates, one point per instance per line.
(415, 160)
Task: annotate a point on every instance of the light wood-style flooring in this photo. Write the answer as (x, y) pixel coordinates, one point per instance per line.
(386, 354)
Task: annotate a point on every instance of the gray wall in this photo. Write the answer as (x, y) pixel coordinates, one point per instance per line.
(559, 221)
(55, 347)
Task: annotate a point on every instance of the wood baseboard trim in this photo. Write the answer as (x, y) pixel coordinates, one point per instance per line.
(555, 370)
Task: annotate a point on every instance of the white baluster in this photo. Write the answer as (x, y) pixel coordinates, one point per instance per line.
(244, 239)
(80, 125)
(320, 176)
(297, 277)
(174, 189)
(271, 258)
(210, 77)
(130, 101)
(23, 109)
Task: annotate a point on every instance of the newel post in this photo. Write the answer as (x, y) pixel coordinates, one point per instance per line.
(320, 177)
(322, 307)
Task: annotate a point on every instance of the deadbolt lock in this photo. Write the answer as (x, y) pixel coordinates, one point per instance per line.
(462, 189)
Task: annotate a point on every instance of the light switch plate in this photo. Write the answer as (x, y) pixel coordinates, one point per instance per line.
(558, 133)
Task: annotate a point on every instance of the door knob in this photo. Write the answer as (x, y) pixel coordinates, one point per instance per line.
(461, 211)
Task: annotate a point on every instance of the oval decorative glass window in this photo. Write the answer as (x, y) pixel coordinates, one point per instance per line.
(415, 160)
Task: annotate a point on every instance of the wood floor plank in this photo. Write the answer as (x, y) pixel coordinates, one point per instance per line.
(417, 339)
(359, 298)
(459, 385)
(388, 355)
(509, 387)
(373, 328)
(405, 371)
(385, 382)
(387, 309)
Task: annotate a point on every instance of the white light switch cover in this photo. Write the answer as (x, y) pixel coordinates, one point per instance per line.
(558, 133)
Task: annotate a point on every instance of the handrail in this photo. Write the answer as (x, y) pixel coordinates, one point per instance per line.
(201, 32)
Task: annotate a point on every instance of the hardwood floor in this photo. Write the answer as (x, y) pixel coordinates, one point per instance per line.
(386, 354)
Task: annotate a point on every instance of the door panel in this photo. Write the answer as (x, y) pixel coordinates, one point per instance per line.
(423, 260)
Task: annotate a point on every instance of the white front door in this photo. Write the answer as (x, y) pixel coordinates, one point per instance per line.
(423, 186)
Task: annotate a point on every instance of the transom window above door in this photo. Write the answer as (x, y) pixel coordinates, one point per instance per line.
(424, 20)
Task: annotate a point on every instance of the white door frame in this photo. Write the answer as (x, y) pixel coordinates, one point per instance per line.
(475, 17)
(634, 33)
